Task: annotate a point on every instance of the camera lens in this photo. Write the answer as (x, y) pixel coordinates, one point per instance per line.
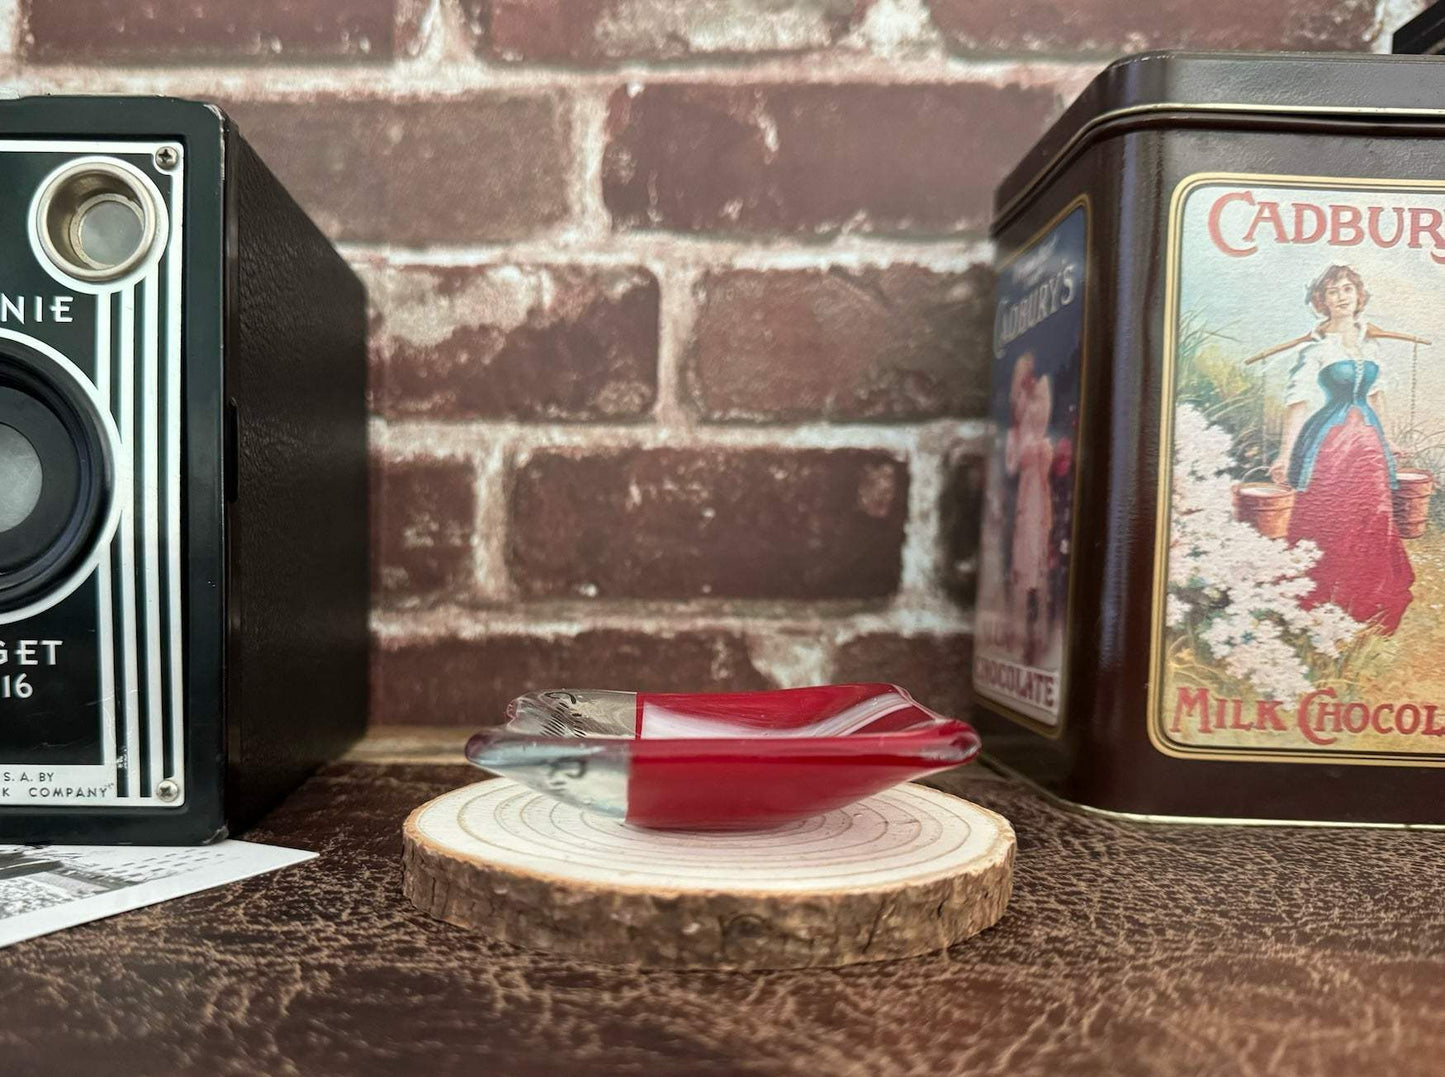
(20, 478)
(97, 221)
(56, 477)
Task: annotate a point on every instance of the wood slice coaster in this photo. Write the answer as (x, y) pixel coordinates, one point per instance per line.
(902, 873)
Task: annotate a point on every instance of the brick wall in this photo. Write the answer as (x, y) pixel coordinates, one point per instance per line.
(681, 306)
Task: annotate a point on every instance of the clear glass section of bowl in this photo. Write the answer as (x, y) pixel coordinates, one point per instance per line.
(720, 760)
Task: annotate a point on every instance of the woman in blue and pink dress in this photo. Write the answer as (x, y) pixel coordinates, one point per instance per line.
(1341, 464)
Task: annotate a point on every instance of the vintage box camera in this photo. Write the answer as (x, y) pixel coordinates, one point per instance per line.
(183, 574)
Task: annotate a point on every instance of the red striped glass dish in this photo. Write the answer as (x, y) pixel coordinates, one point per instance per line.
(724, 761)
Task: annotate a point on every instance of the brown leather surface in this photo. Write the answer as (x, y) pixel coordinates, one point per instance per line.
(1128, 949)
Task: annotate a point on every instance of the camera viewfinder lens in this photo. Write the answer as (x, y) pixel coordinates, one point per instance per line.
(109, 229)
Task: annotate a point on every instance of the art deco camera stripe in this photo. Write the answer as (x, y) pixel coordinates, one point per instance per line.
(125, 542)
(105, 599)
(171, 265)
(138, 370)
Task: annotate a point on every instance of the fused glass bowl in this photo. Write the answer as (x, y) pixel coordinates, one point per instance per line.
(727, 761)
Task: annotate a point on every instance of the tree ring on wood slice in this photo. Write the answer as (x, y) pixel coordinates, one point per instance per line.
(902, 873)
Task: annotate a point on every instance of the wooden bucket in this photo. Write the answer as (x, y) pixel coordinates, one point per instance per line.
(1413, 488)
(1265, 506)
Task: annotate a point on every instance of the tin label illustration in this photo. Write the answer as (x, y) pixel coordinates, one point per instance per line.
(1038, 346)
(1300, 578)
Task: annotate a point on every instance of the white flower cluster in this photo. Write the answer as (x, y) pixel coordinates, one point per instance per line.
(1238, 592)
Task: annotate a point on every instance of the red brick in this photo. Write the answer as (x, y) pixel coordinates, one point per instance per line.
(468, 682)
(1109, 26)
(515, 342)
(900, 342)
(166, 31)
(684, 523)
(423, 527)
(477, 168)
(814, 159)
(960, 518)
(592, 32)
(935, 668)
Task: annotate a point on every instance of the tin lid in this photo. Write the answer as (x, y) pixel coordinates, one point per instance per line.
(1349, 87)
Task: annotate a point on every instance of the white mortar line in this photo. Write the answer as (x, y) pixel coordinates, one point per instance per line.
(459, 437)
(10, 28)
(427, 15)
(790, 656)
(677, 315)
(493, 582)
(922, 536)
(445, 39)
(943, 254)
(803, 618)
(590, 222)
(443, 69)
(921, 619)
(462, 447)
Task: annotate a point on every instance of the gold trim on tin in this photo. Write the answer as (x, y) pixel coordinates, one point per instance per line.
(1055, 731)
(1156, 819)
(1087, 130)
(1167, 406)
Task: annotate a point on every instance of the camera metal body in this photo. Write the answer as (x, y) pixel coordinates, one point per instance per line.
(183, 526)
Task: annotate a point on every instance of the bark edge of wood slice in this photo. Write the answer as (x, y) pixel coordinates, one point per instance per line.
(905, 872)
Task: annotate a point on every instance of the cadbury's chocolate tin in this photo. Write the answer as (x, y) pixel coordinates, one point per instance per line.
(1212, 574)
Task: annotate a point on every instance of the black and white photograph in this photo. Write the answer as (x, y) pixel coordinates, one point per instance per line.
(47, 888)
